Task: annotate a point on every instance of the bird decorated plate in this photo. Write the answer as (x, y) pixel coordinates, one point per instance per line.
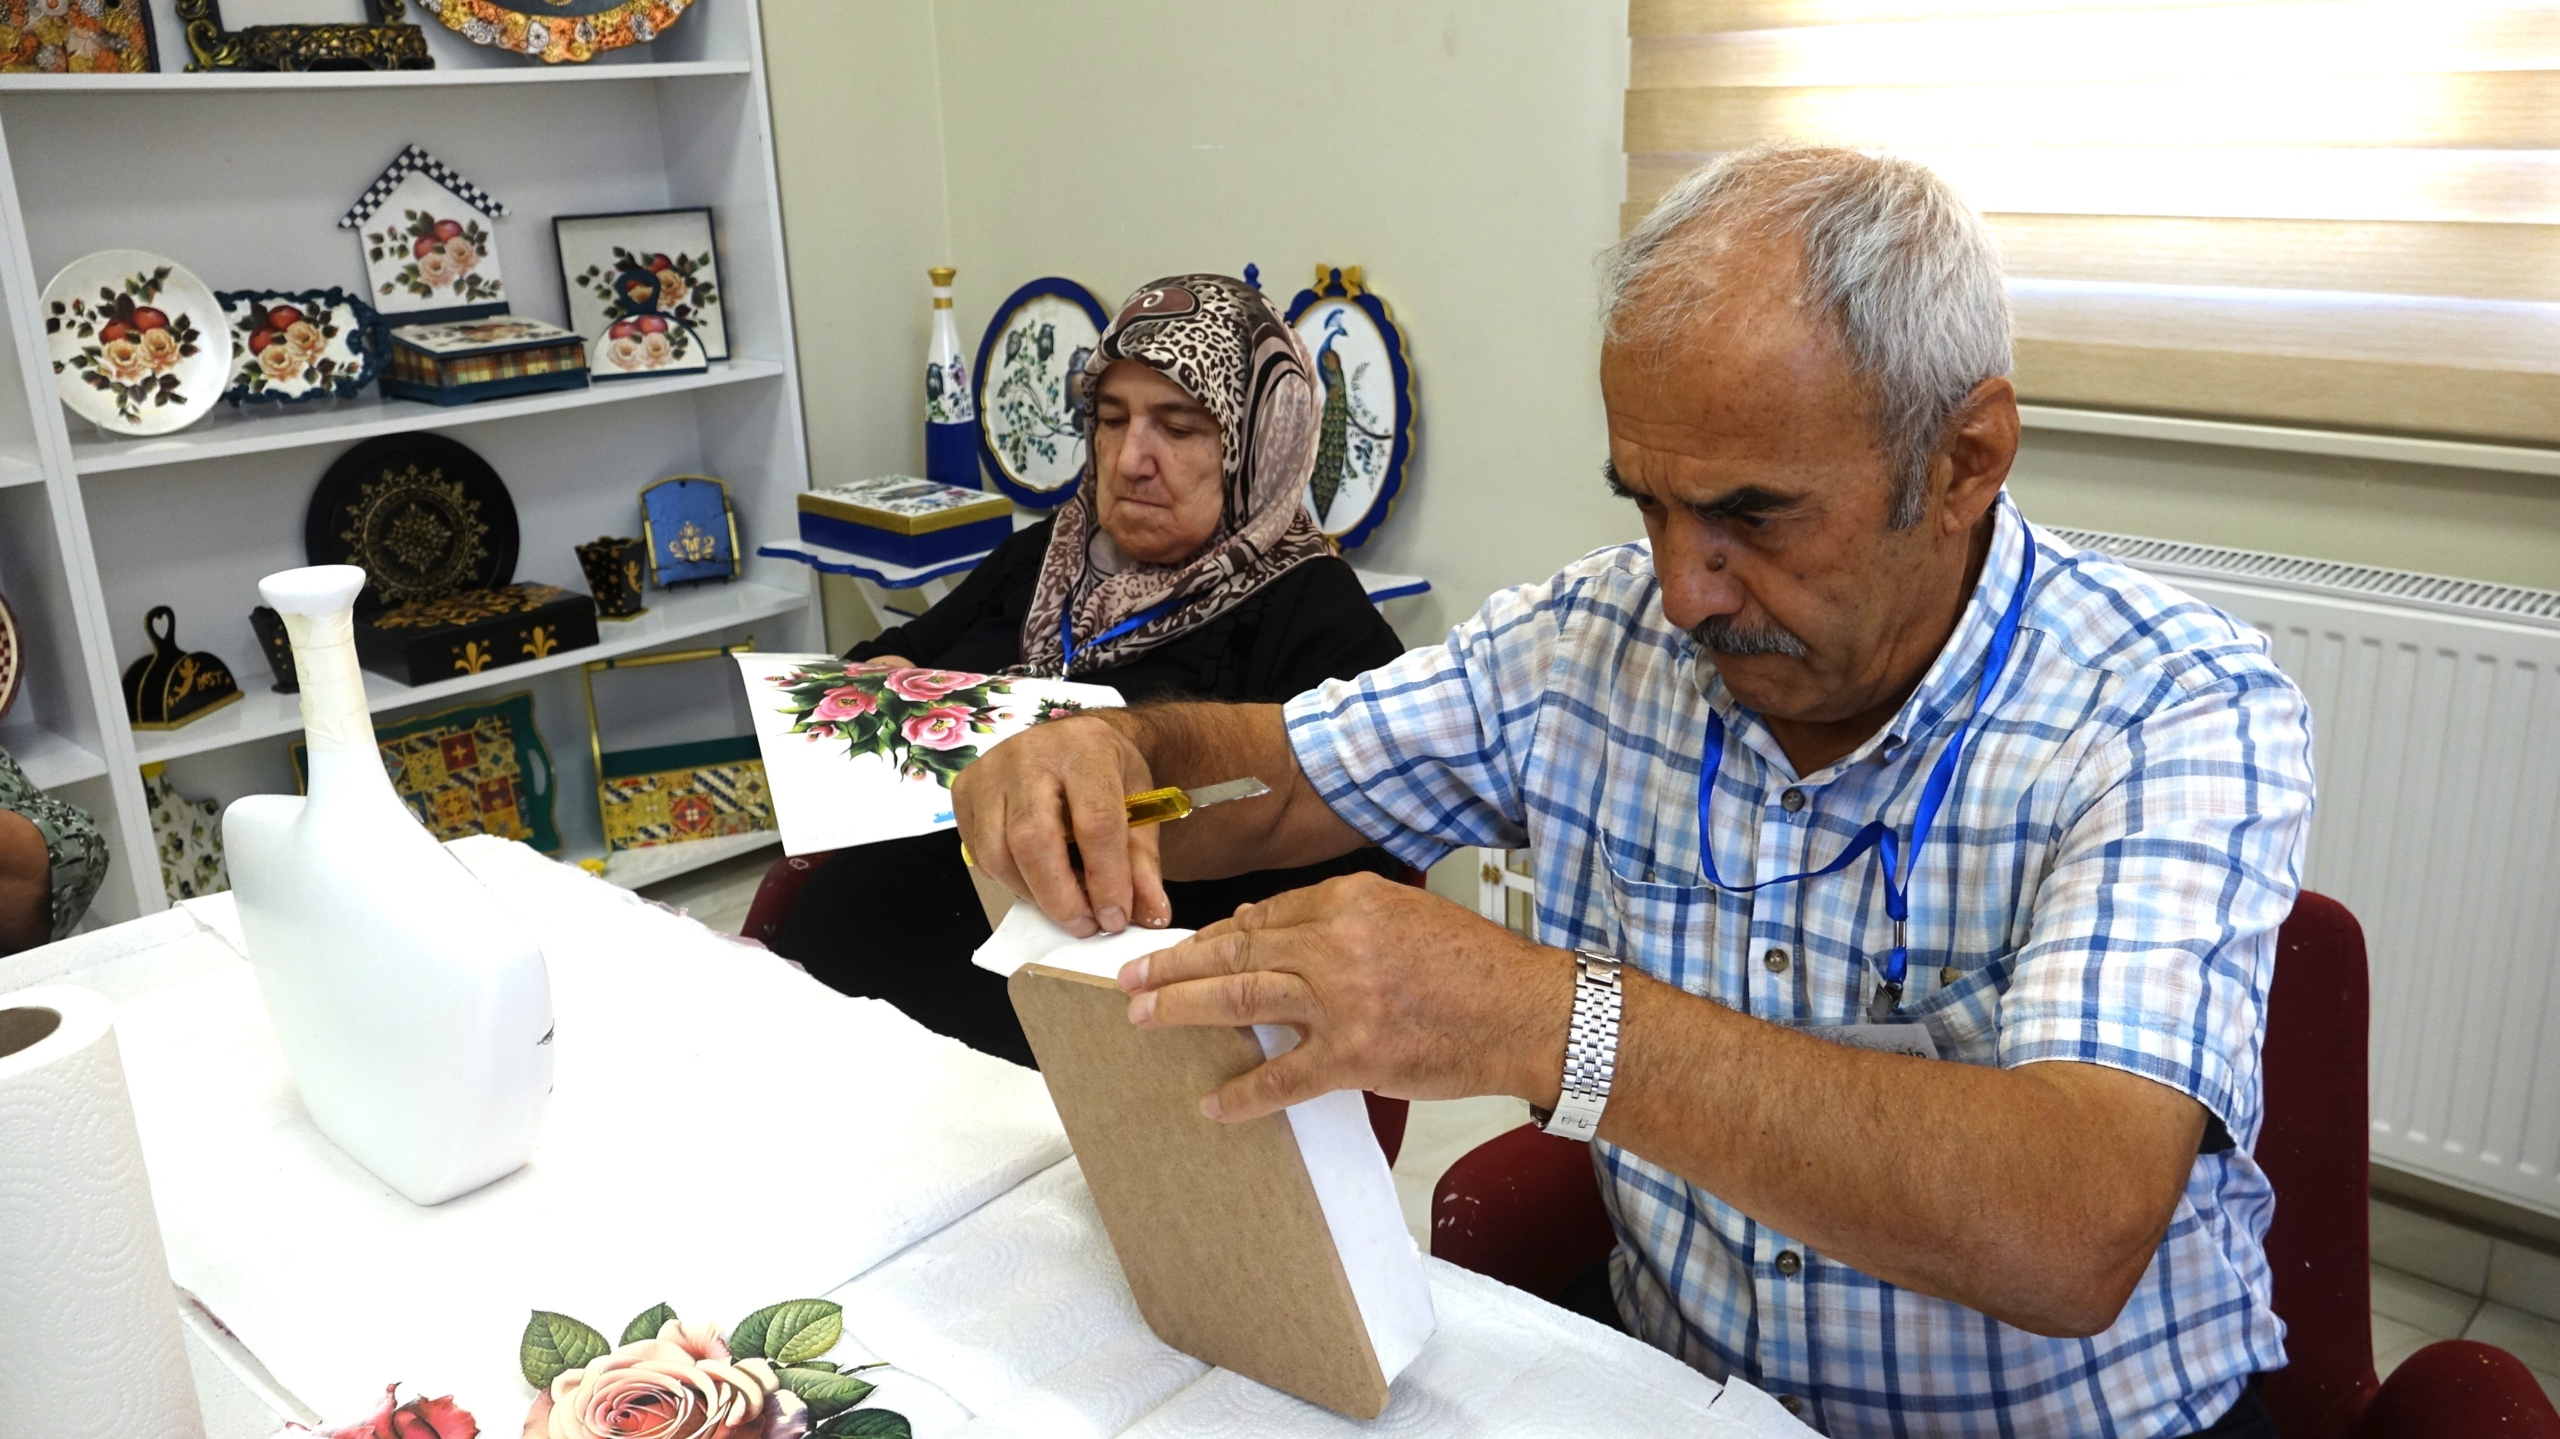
(1041, 336)
(140, 346)
(1365, 435)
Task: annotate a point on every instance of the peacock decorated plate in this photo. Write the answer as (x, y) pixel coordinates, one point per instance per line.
(139, 344)
(1365, 436)
(423, 514)
(1027, 362)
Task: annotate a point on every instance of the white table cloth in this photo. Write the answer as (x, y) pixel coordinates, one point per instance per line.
(726, 1133)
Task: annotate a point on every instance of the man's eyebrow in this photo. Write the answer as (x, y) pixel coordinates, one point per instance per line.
(1747, 500)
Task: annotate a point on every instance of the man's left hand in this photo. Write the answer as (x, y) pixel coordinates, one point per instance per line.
(1391, 989)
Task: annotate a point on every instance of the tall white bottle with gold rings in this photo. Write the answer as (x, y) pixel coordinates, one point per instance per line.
(950, 396)
(413, 1009)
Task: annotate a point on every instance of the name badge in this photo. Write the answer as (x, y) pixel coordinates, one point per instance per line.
(1910, 1039)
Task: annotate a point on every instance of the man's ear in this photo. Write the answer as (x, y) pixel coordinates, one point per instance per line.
(1981, 444)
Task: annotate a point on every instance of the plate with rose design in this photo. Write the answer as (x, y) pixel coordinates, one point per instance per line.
(139, 344)
(301, 345)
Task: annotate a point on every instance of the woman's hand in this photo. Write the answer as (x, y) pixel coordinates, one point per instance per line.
(886, 662)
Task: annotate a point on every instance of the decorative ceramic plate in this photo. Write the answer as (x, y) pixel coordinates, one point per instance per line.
(424, 516)
(140, 346)
(557, 30)
(1366, 433)
(1041, 336)
(13, 659)
(301, 345)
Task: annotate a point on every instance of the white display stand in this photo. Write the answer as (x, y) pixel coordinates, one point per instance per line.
(241, 178)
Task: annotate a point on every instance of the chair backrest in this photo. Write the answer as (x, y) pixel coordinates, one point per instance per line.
(774, 895)
(2313, 1148)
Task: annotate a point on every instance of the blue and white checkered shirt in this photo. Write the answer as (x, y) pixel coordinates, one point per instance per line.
(2103, 885)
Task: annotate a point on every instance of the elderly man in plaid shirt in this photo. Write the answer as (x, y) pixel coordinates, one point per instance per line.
(1907, 881)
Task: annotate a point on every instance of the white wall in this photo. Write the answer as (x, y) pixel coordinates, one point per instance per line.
(1466, 154)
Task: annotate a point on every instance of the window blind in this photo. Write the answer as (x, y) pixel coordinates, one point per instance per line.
(2327, 212)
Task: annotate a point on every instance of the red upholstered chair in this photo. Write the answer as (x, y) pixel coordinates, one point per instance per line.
(782, 885)
(1525, 1208)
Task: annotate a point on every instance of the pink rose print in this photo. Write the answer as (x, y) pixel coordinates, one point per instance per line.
(941, 727)
(926, 686)
(844, 704)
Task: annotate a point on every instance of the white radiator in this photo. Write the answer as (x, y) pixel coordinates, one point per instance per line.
(2435, 708)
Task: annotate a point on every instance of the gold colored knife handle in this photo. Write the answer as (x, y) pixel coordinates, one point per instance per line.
(1155, 806)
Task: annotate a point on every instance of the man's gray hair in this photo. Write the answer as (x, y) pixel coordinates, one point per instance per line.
(1906, 272)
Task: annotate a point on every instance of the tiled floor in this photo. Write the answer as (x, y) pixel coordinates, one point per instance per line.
(2435, 1279)
(2432, 1279)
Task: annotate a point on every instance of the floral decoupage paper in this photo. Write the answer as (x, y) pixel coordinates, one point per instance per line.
(858, 753)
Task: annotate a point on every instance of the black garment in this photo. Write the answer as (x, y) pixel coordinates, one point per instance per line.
(1312, 624)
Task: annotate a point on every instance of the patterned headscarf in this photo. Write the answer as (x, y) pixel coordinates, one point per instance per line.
(1220, 340)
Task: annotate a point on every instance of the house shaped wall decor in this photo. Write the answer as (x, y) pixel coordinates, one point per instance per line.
(429, 250)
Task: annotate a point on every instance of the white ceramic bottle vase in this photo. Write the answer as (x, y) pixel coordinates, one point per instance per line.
(950, 398)
(414, 1011)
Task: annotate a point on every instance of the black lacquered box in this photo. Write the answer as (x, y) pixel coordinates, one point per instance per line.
(475, 630)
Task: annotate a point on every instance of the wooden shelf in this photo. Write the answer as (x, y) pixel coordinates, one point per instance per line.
(261, 713)
(251, 429)
(48, 758)
(531, 73)
(17, 471)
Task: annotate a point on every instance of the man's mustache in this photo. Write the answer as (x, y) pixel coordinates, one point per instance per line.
(1724, 635)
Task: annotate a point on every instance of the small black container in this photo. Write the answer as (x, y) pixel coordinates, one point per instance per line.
(613, 569)
(279, 648)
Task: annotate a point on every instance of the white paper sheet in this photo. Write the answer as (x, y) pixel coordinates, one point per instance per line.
(726, 1133)
(1020, 1312)
(871, 758)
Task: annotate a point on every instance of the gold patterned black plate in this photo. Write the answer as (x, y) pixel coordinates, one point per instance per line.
(424, 515)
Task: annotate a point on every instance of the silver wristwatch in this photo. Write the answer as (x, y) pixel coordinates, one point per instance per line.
(1590, 1050)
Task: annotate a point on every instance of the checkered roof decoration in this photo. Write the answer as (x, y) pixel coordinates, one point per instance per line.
(416, 161)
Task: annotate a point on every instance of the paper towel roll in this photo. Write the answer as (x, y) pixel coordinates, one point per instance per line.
(89, 1343)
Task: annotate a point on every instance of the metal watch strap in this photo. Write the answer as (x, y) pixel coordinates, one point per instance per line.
(1590, 1050)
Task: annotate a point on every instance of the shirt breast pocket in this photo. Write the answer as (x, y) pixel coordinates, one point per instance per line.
(1964, 1017)
(1666, 930)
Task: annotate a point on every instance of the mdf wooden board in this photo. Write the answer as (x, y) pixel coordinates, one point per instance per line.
(1216, 1225)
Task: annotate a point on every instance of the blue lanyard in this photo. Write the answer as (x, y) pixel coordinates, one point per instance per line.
(1876, 835)
(1068, 649)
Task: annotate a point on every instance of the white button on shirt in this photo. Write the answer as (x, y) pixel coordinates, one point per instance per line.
(2103, 885)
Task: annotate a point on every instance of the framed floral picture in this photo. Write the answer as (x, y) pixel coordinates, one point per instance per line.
(298, 345)
(672, 247)
(430, 247)
(77, 37)
(1028, 429)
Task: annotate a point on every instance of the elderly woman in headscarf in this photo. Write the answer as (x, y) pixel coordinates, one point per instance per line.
(1185, 566)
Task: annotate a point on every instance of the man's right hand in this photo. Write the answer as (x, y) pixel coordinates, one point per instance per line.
(1068, 781)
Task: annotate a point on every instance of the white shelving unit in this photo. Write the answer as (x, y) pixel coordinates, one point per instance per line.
(241, 178)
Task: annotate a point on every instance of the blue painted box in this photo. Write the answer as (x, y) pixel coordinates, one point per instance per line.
(904, 520)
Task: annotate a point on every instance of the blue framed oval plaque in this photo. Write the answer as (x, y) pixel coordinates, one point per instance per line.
(1040, 337)
(1365, 435)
